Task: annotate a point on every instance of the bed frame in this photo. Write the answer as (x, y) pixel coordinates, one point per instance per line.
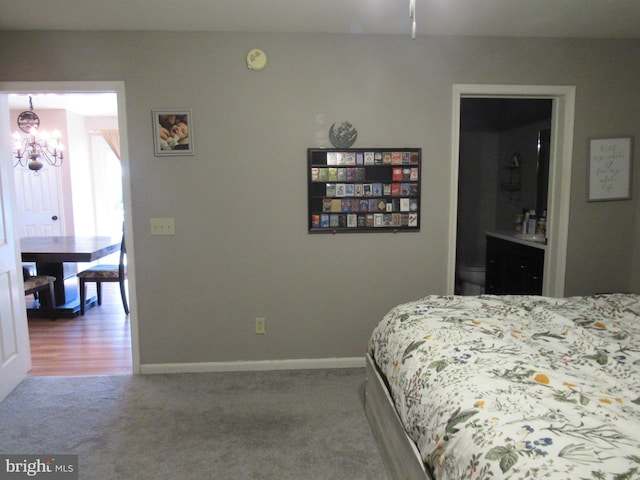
(399, 453)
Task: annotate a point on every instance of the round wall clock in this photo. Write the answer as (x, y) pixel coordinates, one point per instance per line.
(256, 59)
(27, 120)
(342, 136)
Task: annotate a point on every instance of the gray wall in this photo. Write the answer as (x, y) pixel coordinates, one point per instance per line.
(241, 248)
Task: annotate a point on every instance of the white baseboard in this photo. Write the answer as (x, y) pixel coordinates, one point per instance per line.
(250, 366)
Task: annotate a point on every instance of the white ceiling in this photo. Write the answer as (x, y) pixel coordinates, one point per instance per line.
(515, 18)
(89, 104)
(504, 18)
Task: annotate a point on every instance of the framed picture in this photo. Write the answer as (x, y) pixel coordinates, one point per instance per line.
(610, 161)
(173, 132)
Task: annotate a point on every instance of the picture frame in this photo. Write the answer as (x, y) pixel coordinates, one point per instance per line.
(609, 169)
(172, 132)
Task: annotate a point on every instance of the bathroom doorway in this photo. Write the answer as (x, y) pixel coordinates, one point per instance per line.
(503, 171)
(560, 100)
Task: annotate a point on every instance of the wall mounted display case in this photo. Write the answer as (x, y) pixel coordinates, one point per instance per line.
(364, 189)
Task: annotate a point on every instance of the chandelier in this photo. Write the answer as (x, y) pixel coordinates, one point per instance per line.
(34, 147)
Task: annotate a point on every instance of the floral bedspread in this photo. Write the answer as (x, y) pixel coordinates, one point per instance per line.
(517, 387)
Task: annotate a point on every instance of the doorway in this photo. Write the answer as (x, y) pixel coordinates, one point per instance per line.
(111, 208)
(561, 133)
(503, 172)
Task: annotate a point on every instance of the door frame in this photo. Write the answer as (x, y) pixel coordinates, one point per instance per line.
(96, 87)
(560, 161)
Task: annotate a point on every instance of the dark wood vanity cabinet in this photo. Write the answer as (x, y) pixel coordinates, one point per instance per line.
(513, 268)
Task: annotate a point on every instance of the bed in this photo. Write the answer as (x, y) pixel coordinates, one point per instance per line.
(507, 387)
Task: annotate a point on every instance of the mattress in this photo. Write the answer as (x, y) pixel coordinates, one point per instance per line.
(515, 387)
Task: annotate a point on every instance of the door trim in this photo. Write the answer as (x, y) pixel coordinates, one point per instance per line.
(119, 89)
(560, 162)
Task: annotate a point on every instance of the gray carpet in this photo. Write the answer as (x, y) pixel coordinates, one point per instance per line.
(299, 425)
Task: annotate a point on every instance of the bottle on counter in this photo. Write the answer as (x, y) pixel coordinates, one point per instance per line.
(525, 220)
(531, 225)
(517, 225)
(541, 228)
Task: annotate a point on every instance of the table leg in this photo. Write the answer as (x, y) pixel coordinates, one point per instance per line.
(55, 270)
(66, 293)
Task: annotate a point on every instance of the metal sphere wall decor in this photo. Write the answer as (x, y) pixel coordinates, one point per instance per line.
(343, 136)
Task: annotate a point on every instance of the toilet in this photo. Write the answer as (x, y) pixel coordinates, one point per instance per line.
(471, 279)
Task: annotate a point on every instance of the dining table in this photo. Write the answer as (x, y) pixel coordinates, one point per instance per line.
(58, 256)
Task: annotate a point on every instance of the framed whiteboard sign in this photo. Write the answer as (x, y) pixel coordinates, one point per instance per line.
(610, 162)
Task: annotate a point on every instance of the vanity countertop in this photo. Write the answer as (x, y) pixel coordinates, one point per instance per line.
(513, 237)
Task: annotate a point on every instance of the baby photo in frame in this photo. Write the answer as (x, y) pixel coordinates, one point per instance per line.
(173, 132)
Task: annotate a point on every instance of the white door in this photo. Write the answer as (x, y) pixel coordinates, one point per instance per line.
(15, 356)
(38, 211)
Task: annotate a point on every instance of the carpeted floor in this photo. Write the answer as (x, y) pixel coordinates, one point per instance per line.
(303, 425)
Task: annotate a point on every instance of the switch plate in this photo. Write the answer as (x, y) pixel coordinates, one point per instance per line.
(163, 226)
(261, 326)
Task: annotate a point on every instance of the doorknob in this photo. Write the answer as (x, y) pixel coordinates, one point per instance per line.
(54, 218)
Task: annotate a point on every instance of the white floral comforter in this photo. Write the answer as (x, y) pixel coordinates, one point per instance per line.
(517, 387)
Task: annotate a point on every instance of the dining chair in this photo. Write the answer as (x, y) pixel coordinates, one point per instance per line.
(100, 274)
(41, 287)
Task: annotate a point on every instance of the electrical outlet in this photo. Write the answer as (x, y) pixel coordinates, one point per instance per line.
(163, 226)
(261, 326)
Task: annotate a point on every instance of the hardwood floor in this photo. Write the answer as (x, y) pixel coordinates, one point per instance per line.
(97, 344)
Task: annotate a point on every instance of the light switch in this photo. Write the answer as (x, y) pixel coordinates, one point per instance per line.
(163, 226)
